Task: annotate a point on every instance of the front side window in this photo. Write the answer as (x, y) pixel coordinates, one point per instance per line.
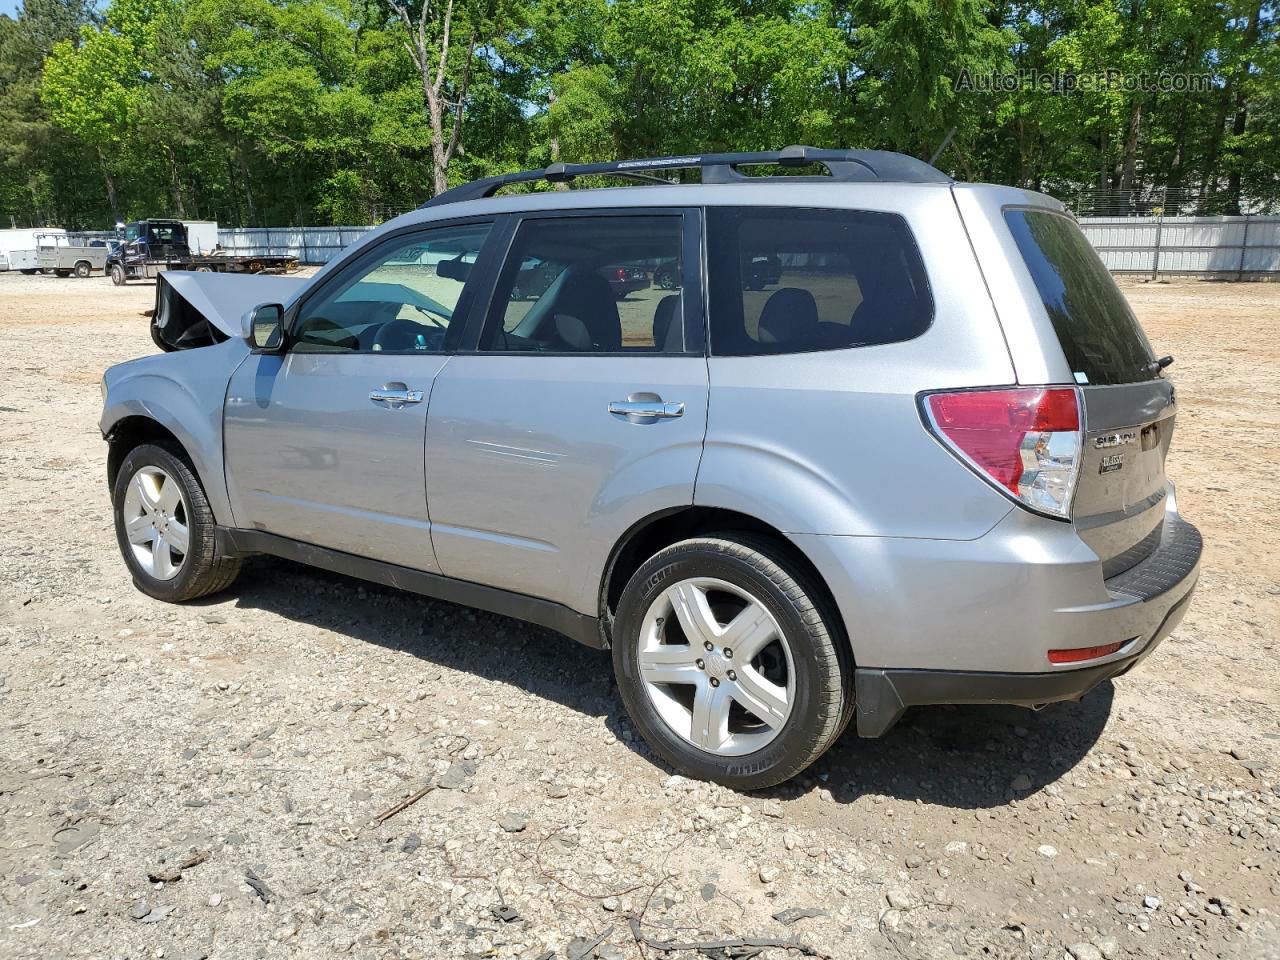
(793, 281)
(404, 301)
(602, 284)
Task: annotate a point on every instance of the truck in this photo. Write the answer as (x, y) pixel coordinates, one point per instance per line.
(56, 253)
(20, 240)
(152, 246)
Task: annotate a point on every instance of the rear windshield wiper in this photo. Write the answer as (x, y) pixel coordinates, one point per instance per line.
(1155, 366)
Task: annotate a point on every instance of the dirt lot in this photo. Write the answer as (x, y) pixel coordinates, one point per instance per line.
(260, 732)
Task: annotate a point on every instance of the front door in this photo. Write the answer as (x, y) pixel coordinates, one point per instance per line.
(325, 442)
(580, 409)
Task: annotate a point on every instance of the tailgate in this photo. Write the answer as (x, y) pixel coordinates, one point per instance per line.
(1120, 494)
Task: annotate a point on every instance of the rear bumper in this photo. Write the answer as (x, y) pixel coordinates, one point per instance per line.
(972, 621)
(883, 695)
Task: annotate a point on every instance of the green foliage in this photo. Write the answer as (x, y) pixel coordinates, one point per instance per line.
(321, 111)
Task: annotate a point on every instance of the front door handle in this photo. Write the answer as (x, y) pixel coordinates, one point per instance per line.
(396, 394)
(645, 408)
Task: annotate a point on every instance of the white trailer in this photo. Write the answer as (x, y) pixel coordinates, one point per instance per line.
(23, 239)
(202, 236)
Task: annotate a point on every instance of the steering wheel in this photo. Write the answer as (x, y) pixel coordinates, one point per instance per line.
(400, 334)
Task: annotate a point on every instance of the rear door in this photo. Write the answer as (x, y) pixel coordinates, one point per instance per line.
(580, 406)
(325, 442)
(1128, 406)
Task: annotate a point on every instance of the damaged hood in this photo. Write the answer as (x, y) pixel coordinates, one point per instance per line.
(201, 309)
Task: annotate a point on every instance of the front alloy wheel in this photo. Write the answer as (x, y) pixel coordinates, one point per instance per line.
(166, 528)
(155, 519)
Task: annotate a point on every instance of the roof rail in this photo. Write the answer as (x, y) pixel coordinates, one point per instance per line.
(843, 165)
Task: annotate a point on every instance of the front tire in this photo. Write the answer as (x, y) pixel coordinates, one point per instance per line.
(728, 663)
(117, 275)
(83, 269)
(166, 529)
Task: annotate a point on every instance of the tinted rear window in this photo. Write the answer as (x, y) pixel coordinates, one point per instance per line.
(1098, 332)
(792, 281)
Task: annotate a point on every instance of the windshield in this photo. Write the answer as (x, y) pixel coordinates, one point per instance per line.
(167, 233)
(1098, 332)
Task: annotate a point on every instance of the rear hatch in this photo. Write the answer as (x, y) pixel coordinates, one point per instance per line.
(1128, 406)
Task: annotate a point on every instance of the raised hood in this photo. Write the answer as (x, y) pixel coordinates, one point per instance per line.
(201, 309)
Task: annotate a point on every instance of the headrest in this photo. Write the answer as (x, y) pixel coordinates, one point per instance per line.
(789, 315)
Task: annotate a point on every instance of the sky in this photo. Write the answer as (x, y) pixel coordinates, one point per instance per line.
(10, 7)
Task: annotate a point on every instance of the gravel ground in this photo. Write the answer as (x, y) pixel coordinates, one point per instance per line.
(203, 780)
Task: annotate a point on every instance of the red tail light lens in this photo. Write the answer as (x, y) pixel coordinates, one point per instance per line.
(1026, 440)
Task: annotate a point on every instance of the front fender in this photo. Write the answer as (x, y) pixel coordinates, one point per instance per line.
(182, 392)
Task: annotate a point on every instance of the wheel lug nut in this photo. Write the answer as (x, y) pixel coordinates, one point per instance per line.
(732, 675)
(701, 665)
(706, 644)
(715, 682)
(728, 653)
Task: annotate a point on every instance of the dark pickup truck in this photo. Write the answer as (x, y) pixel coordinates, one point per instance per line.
(152, 246)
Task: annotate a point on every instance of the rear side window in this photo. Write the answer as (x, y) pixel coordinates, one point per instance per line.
(601, 284)
(793, 281)
(1098, 332)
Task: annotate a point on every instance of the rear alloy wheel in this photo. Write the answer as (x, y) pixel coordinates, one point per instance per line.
(727, 664)
(166, 529)
(83, 269)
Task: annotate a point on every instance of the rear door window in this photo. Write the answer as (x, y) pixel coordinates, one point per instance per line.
(792, 281)
(596, 284)
(1098, 332)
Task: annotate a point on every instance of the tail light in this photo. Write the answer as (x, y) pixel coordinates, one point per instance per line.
(1024, 440)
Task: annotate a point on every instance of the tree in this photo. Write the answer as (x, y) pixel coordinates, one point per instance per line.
(431, 35)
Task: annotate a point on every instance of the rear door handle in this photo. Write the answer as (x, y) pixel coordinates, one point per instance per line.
(646, 409)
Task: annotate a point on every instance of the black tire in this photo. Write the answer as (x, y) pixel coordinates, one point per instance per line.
(117, 274)
(204, 570)
(83, 269)
(62, 273)
(820, 657)
(28, 272)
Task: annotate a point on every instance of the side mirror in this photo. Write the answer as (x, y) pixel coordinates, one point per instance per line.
(263, 327)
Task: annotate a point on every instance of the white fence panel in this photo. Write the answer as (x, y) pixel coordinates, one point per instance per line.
(1224, 247)
(308, 244)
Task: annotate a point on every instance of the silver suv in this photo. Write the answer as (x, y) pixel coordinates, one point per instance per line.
(796, 448)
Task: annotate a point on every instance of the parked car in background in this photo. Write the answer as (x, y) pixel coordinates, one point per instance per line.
(625, 280)
(925, 465)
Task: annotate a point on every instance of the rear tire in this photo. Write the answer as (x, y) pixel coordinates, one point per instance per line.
(117, 275)
(62, 273)
(749, 717)
(165, 528)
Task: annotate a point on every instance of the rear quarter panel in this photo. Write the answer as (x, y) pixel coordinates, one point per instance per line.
(831, 442)
(1033, 344)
